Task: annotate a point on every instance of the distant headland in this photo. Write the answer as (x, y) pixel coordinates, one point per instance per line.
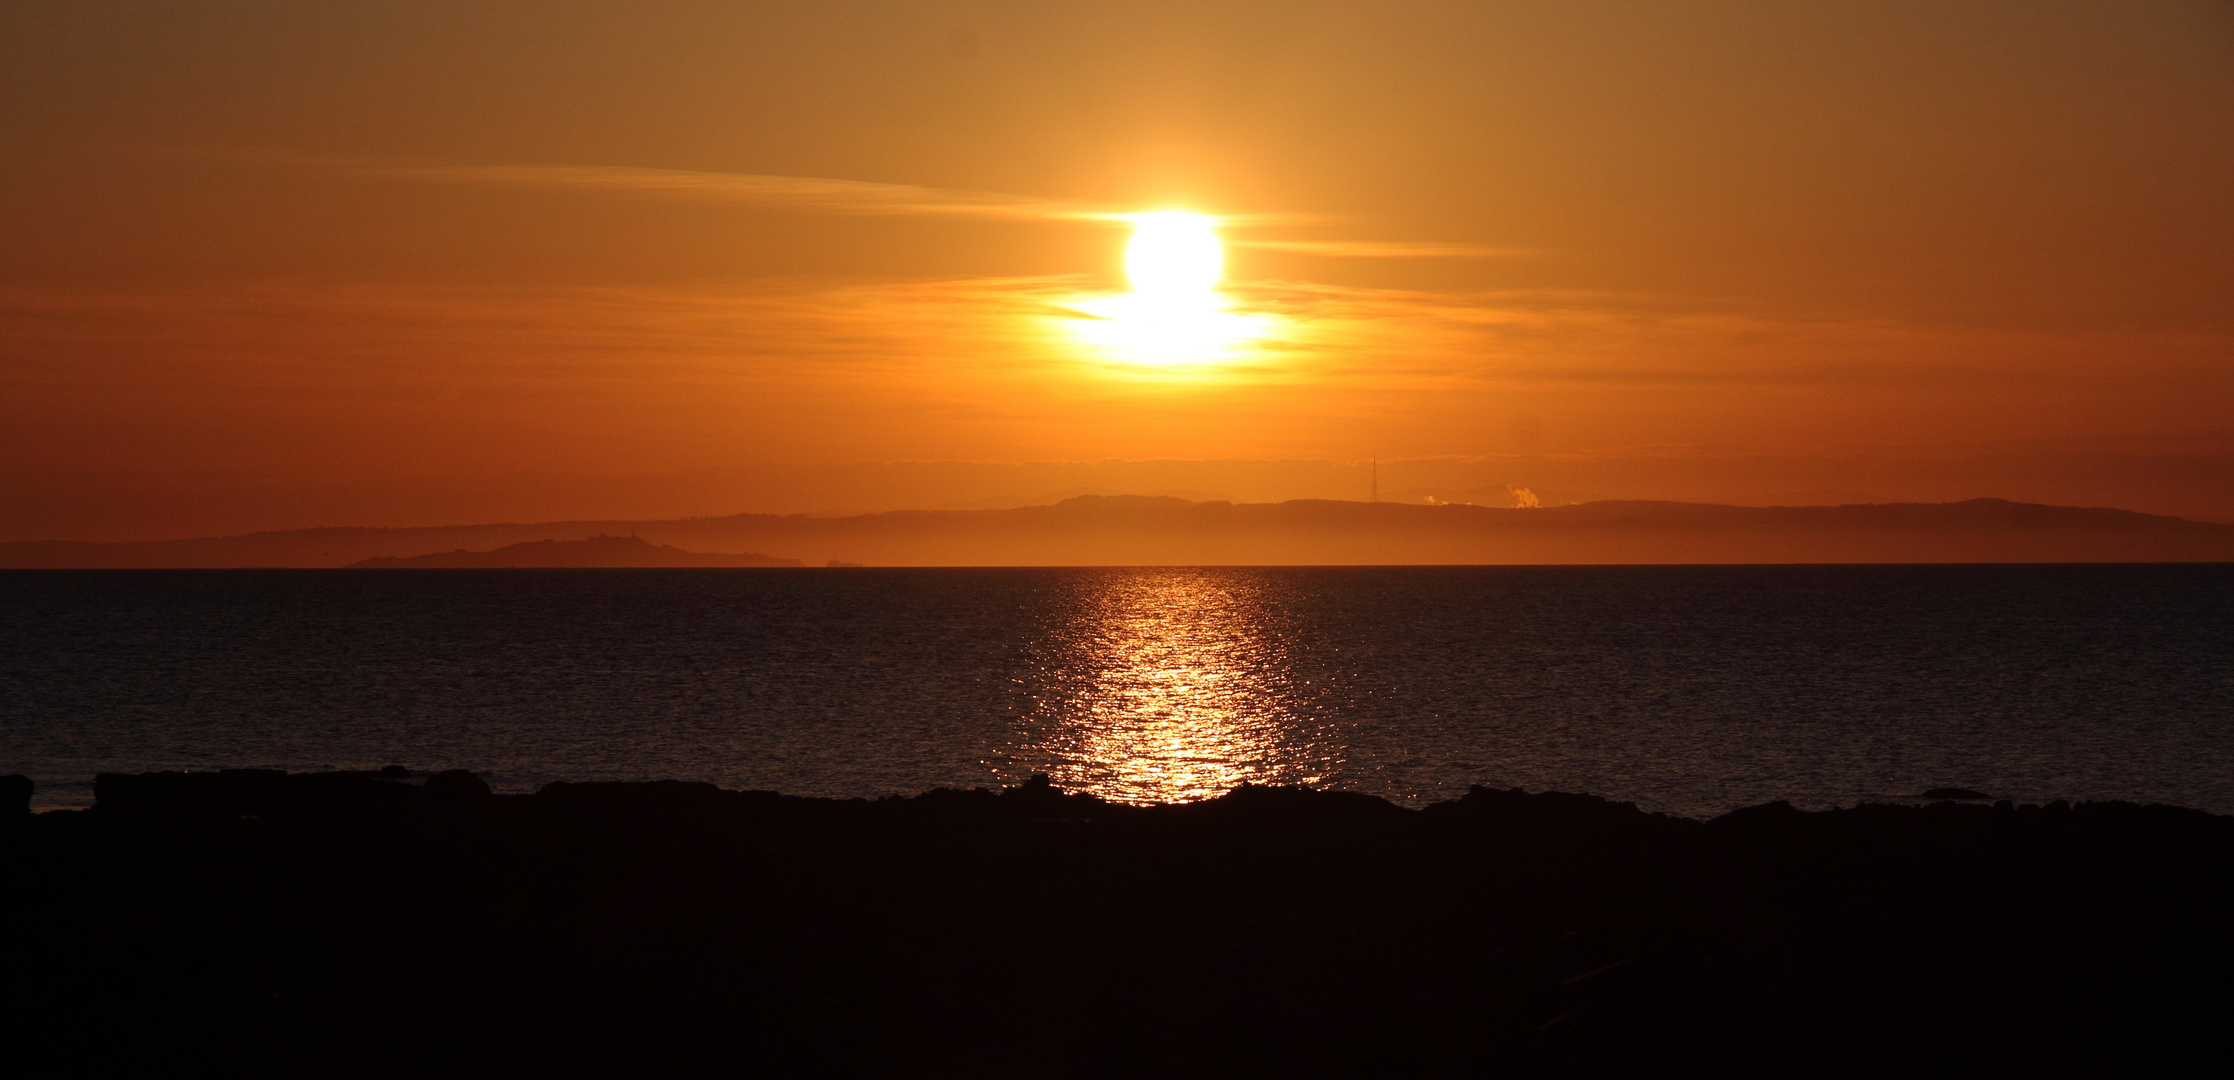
(1133, 530)
(595, 551)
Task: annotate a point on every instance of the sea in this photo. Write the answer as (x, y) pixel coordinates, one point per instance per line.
(1686, 690)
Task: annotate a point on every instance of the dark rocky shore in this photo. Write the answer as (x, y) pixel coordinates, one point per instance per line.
(249, 923)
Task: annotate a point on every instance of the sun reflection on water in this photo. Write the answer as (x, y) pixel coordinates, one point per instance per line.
(1169, 686)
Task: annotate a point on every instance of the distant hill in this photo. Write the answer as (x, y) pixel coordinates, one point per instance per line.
(1124, 530)
(594, 551)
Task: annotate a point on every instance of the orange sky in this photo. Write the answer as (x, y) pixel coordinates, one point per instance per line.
(269, 265)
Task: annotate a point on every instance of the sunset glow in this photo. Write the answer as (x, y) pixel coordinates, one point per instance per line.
(1175, 316)
(266, 274)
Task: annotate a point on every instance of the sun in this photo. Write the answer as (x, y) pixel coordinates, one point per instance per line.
(1174, 254)
(1175, 317)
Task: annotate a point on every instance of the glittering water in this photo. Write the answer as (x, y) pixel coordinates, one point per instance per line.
(1692, 690)
(1171, 686)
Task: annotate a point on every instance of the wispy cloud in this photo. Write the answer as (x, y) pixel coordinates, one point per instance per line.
(833, 196)
(1385, 249)
(837, 196)
(806, 192)
(988, 367)
(825, 195)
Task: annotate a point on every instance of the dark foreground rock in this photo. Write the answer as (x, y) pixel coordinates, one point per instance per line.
(253, 923)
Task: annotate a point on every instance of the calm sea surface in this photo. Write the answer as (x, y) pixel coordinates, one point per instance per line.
(1692, 690)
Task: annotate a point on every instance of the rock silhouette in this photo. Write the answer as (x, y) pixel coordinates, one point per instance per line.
(251, 922)
(457, 786)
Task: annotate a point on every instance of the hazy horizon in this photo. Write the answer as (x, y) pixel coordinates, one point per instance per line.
(127, 509)
(1094, 530)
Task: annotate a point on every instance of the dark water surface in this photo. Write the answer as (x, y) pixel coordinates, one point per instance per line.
(1686, 689)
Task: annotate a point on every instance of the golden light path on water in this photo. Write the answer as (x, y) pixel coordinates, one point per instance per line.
(1173, 685)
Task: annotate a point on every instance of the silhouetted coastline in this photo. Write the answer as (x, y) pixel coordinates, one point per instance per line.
(1137, 530)
(253, 922)
(633, 552)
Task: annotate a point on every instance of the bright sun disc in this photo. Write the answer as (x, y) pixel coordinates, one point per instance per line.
(1175, 316)
(1173, 254)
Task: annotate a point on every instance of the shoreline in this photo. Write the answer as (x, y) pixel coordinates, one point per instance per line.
(85, 792)
(399, 775)
(247, 919)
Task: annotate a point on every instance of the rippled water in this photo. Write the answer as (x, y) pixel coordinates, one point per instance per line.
(1170, 686)
(1692, 690)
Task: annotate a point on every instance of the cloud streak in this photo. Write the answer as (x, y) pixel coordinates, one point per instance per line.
(824, 195)
(814, 193)
(1383, 249)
